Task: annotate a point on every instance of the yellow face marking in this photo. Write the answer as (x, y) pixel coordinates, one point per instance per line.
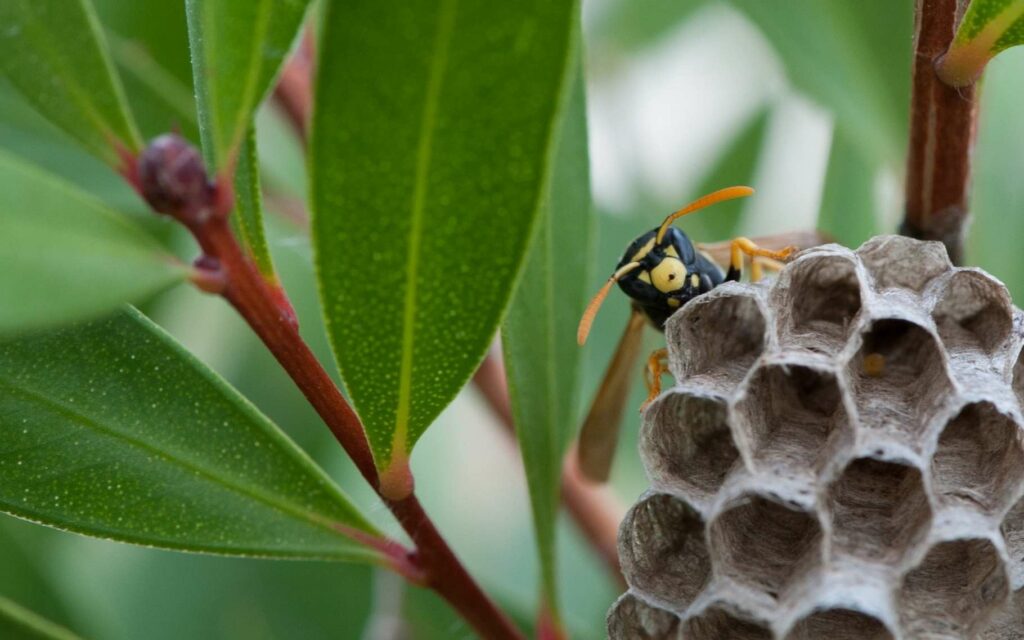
(695, 281)
(645, 277)
(644, 250)
(669, 275)
(672, 302)
(671, 251)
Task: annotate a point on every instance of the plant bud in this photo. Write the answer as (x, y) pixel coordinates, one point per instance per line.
(173, 179)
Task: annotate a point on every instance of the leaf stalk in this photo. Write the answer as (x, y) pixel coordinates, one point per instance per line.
(433, 563)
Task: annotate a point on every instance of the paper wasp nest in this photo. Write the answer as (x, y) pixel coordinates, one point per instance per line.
(840, 458)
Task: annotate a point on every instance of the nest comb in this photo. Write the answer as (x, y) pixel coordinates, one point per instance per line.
(841, 457)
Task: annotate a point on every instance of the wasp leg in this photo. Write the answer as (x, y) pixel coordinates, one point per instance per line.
(657, 366)
(744, 246)
(758, 264)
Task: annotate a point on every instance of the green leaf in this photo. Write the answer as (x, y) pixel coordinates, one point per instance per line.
(18, 623)
(238, 47)
(65, 255)
(425, 188)
(539, 334)
(842, 55)
(165, 100)
(988, 27)
(847, 205)
(249, 205)
(112, 429)
(149, 46)
(54, 53)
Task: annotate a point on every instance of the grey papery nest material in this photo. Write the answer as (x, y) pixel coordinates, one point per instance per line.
(840, 458)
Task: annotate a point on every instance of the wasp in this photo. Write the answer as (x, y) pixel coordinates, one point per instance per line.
(661, 271)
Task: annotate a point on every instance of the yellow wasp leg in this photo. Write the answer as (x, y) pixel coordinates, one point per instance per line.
(740, 247)
(657, 365)
(758, 264)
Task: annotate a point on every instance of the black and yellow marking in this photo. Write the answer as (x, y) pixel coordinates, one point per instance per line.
(660, 271)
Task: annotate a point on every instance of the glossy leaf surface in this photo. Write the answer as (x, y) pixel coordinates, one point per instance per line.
(112, 430)
(66, 256)
(425, 189)
(53, 51)
(238, 47)
(542, 358)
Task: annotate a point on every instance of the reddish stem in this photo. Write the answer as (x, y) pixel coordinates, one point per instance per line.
(441, 569)
(294, 88)
(942, 132)
(594, 508)
(548, 628)
(254, 300)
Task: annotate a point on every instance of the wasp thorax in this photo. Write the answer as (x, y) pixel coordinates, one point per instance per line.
(841, 457)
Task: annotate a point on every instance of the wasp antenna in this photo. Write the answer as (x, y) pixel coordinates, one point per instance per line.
(728, 193)
(595, 303)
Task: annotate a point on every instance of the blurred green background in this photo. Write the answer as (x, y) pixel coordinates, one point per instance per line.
(806, 100)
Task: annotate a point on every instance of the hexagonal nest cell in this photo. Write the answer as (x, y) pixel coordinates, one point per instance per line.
(793, 417)
(841, 458)
(1018, 376)
(1012, 529)
(718, 624)
(764, 544)
(899, 378)
(825, 298)
(879, 510)
(839, 624)
(634, 619)
(687, 444)
(974, 312)
(898, 262)
(979, 459)
(723, 334)
(661, 545)
(954, 590)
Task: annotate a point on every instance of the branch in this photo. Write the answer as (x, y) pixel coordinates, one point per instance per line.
(594, 508)
(173, 180)
(294, 88)
(942, 132)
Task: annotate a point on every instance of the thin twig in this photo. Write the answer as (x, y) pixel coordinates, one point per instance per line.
(595, 509)
(294, 88)
(942, 131)
(249, 293)
(172, 179)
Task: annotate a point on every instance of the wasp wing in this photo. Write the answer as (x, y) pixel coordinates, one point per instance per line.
(600, 432)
